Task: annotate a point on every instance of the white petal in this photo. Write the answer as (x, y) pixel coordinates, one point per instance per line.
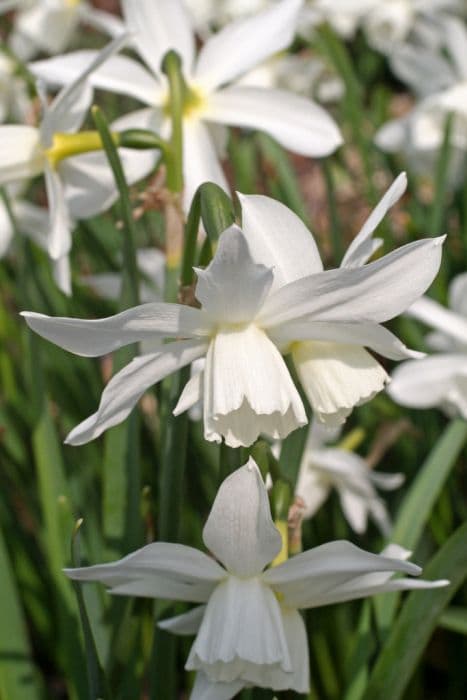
(239, 530)
(456, 44)
(248, 389)
(430, 382)
(200, 160)
(67, 111)
(192, 574)
(307, 578)
(62, 274)
(295, 122)
(355, 509)
(392, 136)
(6, 230)
(244, 44)
(102, 21)
(352, 257)
(433, 314)
(191, 394)
(297, 642)
(278, 239)
(119, 74)
(242, 635)
(375, 292)
(48, 27)
(61, 223)
(232, 288)
(126, 387)
(458, 294)
(187, 623)
(159, 27)
(422, 69)
(204, 689)
(337, 377)
(311, 489)
(21, 154)
(370, 335)
(91, 338)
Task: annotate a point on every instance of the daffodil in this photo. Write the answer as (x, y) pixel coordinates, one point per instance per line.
(264, 295)
(78, 186)
(325, 467)
(249, 631)
(439, 80)
(440, 379)
(49, 25)
(211, 96)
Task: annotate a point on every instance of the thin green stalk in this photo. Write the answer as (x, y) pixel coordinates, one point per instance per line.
(172, 67)
(336, 233)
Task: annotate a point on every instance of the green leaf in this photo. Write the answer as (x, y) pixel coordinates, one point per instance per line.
(417, 620)
(17, 673)
(217, 210)
(454, 619)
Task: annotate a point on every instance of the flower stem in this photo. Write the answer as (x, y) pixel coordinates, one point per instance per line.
(171, 66)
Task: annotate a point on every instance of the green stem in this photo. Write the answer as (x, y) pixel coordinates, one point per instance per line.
(172, 67)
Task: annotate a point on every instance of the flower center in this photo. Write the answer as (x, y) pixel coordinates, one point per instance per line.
(194, 103)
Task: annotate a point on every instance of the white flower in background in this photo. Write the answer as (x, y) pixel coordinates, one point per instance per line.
(33, 222)
(441, 84)
(77, 187)
(249, 631)
(14, 100)
(297, 123)
(324, 468)
(49, 25)
(441, 379)
(386, 23)
(263, 295)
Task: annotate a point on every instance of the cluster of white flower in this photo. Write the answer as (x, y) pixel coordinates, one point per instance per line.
(266, 315)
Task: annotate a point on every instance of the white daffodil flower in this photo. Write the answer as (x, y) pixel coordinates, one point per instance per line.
(49, 25)
(441, 84)
(441, 379)
(323, 468)
(249, 631)
(79, 186)
(263, 295)
(386, 23)
(211, 99)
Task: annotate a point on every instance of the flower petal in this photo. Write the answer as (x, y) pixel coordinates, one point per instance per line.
(239, 530)
(185, 624)
(118, 74)
(336, 378)
(232, 288)
(456, 44)
(157, 567)
(311, 489)
(458, 294)
(244, 44)
(279, 239)
(242, 635)
(200, 160)
(370, 335)
(357, 252)
(422, 69)
(294, 121)
(248, 389)
(375, 292)
(91, 338)
(191, 394)
(61, 223)
(436, 316)
(21, 154)
(159, 27)
(126, 387)
(306, 579)
(204, 689)
(431, 382)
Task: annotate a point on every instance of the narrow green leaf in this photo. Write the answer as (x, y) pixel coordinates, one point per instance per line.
(417, 620)
(419, 501)
(17, 673)
(454, 619)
